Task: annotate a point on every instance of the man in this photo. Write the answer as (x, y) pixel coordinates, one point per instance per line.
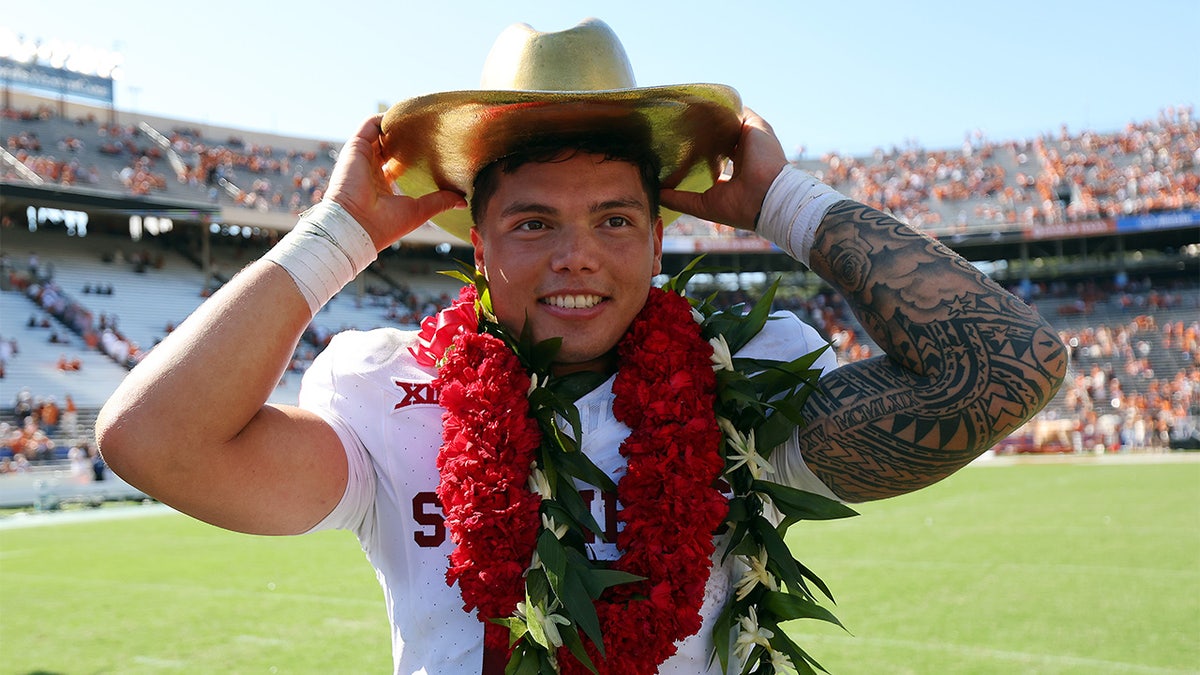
(568, 237)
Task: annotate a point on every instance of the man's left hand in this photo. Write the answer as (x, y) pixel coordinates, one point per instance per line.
(736, 200)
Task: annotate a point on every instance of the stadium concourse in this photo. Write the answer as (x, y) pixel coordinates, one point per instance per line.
(115, 226)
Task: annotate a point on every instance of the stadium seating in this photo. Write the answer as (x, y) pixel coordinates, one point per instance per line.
(983, 186)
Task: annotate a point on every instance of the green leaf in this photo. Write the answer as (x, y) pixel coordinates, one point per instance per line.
(779, 556)
(773, 433)
(737, 540)
(811, 576)
(598, 580)
(721, 636)
(580, 466)
(800, 659)
(571, 639)
(803, 505)
(578, 604)
(459, 275)
(568, 388)
(679, 282)
(516, 628)
(514, 662)
(571, 503)
(752, 323)
(537, 588)
(788, 606)
(553, 556)
(774, 376)
(542, 354)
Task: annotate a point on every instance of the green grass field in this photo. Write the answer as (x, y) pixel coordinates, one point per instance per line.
(1004, 569)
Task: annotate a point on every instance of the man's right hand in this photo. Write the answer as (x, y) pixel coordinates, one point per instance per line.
(362, 185)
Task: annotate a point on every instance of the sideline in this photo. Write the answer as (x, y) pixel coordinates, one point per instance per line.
(24, 519)
(1088, 459)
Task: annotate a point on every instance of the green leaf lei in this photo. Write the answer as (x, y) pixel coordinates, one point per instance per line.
(758, 407)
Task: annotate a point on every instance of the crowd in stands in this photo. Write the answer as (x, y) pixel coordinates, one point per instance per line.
(1118, 395)
(29, 441)
(1147, 166)
(1116, 400)
(34, 423)
(96, 332)
(9, 347)
(274, 178)
(63, 165)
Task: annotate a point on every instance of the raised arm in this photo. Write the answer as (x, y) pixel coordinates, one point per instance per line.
(966, 362)
(190, 424)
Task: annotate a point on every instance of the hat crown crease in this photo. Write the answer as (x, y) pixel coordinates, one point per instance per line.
(588, 57)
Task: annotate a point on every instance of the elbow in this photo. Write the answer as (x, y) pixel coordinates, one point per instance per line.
(1050, 358)
(116, 439)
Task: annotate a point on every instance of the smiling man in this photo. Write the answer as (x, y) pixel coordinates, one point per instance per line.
(563, 162)
(568, 246)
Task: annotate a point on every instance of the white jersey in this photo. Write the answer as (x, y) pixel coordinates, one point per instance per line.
(383, 406)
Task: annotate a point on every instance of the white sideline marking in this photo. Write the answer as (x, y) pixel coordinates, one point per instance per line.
(40, 519)
(1027, 658)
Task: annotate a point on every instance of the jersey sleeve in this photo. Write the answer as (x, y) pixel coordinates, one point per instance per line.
(323, 392)
(785, 337)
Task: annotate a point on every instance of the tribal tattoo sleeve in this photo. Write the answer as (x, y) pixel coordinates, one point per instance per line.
(966, 362)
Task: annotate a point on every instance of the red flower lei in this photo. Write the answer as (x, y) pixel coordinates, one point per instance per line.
(665, 393)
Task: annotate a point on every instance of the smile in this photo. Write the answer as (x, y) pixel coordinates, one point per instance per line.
(573, 301)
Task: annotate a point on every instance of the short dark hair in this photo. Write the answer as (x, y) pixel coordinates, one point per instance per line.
(559, 148)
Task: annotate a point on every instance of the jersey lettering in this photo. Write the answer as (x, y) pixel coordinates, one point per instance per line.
(416, 393)
(427, 511)
(607, 519)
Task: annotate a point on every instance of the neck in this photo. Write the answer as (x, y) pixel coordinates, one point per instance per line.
(605, 364)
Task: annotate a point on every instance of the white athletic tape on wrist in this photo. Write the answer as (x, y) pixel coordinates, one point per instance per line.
(794, 207)
(324, 252)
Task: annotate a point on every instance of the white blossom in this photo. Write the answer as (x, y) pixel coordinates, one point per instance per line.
(549, 523)
(534, 383)
(539, 483)
(721, 357)
(756, 573)
(749, 635)
(782, 663)
(742, 452)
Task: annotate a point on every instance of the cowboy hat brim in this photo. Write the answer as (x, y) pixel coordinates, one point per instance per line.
(443, 140)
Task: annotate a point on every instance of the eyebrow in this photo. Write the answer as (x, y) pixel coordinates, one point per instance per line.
(516, 208)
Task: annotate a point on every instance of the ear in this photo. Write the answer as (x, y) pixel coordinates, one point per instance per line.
(477, 242)
(658, 245)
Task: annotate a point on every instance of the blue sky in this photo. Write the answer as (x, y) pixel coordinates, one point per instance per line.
(845, 76)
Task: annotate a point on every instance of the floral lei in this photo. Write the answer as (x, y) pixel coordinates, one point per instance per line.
(519, 524)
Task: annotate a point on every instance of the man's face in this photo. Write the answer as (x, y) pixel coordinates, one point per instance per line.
(570, 247)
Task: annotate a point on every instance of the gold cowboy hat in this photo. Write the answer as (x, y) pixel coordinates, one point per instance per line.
(544, 83)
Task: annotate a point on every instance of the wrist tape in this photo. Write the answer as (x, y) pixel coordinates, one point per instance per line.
(793, 208)
(324, 251)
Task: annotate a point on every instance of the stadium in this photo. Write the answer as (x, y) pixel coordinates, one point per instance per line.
(114, 227)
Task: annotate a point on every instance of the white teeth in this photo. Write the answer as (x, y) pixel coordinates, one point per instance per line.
(573, 301)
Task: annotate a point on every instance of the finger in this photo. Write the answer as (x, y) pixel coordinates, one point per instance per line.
(371, 131)
(428, 206)
(693, 203)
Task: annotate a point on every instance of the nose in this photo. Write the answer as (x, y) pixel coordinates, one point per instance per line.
(579, 250)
